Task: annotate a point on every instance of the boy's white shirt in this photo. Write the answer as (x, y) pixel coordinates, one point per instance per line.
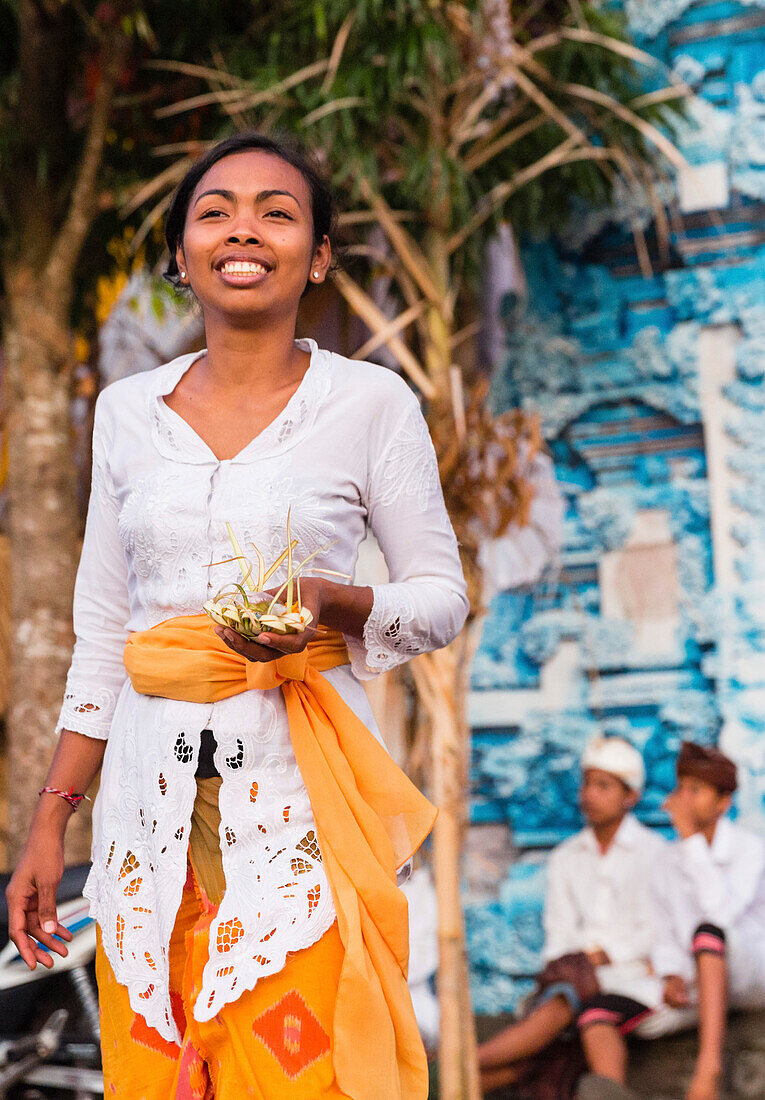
(722, 884)
(595, 900)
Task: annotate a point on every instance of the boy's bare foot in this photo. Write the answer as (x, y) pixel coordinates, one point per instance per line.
(705, 1084)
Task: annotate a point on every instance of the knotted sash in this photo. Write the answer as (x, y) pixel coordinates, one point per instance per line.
(369, 820)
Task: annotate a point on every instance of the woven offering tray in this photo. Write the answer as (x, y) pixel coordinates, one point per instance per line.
(247, 609)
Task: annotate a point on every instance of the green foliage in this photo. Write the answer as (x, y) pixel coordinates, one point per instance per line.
(391, 110)
(387, 114)
(49, 158)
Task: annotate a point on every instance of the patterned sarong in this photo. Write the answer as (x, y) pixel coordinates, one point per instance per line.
(274, 1041)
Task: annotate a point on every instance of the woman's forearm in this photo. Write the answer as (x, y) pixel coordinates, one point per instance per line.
(76, 762)
(346, 607)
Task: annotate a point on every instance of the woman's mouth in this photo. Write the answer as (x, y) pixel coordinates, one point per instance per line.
(242, 273)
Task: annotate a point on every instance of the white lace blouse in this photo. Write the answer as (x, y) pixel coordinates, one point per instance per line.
(350, 449)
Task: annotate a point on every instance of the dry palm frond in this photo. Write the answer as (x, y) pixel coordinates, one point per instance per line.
(151, 219)
(478, 157)
(661, 95)
(336, 55)
(343, 104)
(394, 326)
(365, 217)
(408, 250)
(203, 71)
(373, 316)
(168, 177)
(483, 469)
(648, 130)
(535, 93)
(194, 148)
(607, 41)
(565, 153)
(205, 99)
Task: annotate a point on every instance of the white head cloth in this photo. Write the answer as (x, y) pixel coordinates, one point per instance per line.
(617, 757)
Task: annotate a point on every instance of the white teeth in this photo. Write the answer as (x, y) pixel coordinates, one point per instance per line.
(242, 267)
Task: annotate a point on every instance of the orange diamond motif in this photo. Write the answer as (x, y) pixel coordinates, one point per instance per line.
(292, 1033)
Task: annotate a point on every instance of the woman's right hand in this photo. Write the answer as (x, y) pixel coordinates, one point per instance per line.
(31, 897)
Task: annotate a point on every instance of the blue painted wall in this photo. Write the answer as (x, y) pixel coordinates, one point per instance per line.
(614, 363)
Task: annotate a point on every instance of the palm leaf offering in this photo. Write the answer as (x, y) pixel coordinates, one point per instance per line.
(250, 611)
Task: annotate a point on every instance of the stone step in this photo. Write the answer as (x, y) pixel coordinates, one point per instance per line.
(662, 1068)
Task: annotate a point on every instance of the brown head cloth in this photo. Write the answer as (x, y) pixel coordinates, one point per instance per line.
(708, 764)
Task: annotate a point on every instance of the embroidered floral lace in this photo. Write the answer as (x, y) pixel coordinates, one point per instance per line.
(350, 449)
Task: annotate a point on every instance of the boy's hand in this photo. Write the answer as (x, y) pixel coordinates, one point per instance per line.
(678, 808)
(675, 992)
(598, 957)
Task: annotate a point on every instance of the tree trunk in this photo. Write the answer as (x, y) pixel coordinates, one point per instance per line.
(51, 209)
(43, 532)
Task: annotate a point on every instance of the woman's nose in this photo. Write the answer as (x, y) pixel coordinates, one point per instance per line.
(243, 236)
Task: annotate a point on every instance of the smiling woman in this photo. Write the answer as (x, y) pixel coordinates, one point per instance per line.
(304, 199)
(249, 823)
(249, 232)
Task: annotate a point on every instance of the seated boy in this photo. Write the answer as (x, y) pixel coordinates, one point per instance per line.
(597, 917)
(709, 911)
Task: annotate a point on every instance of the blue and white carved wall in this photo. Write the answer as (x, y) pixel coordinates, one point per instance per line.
(652, 395)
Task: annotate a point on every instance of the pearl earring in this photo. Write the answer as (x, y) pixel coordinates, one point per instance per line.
(316, 274)
(183, 274)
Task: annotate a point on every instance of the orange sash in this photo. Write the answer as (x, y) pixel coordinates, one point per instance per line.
(369, 819)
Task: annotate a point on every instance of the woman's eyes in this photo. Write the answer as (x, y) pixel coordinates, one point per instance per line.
(283, 213)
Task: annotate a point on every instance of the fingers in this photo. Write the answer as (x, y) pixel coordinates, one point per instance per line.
(43, 923)
(46, 907)
(51, 940)
(268, 646)
(30, 951)
(288, 643)
(252, 651)
(24, 945)
(17, 926)
(274, 643)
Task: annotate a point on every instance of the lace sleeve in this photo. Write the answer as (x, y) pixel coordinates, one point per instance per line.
(425, 604)
(101, 607)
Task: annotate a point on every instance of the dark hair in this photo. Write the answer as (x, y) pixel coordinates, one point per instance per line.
(323, 204)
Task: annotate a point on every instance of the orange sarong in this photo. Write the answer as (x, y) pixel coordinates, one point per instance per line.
(369, 820)
(273, 1043)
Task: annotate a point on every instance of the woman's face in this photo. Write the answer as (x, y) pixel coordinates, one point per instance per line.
(248, 240)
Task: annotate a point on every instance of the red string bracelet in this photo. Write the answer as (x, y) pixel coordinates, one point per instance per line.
(69, 796)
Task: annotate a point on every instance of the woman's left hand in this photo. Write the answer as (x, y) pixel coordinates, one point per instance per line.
(271, 646)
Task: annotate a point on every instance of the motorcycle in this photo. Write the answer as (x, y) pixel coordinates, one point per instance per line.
(49, 1023)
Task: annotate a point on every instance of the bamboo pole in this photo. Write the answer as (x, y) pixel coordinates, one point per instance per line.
(471, 638)
(441, 678)
(434, 676)
(467, 1022)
